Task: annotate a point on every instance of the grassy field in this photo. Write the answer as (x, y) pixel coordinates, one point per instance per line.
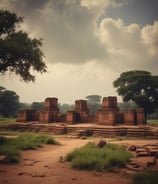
(5, 121)
(11, 147)
(91, 157)
(152, 122)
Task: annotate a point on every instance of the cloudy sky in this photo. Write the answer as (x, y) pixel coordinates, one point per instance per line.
(87, 45)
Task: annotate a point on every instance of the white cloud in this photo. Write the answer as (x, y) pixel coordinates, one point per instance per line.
(150, 37)
(126, 47)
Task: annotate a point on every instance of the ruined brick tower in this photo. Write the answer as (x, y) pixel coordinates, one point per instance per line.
(109, 112)
(50, 111)
(82, 109)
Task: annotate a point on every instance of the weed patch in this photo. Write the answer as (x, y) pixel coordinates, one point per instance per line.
(10, 147)
(5, 121)
(91, 157)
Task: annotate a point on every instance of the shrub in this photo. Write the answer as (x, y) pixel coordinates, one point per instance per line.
(146, 177)
(11, 147)
(11, 152)
(91, 157)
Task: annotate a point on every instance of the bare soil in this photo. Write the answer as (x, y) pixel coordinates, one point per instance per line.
(45, 166)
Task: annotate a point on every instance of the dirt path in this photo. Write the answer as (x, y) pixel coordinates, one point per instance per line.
(43, 166)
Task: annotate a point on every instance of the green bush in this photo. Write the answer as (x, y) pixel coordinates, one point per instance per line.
(91, 157)
(11, 147)
(146, 177)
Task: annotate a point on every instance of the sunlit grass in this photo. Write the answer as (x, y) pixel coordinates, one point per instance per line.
(11, 147)
(152, 122)
(91, 157)
(5, 121)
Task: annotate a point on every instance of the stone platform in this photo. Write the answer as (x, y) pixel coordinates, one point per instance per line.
(90, 129)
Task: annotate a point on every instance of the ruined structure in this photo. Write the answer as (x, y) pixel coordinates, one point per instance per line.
(50, 111)
(109, 114)
(27, 115)
(134, 117)
(82, 109)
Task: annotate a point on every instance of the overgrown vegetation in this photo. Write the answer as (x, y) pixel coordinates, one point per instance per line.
(5, 121)
(152, 122)
(91, 157)
(146, 177)
(10, 147)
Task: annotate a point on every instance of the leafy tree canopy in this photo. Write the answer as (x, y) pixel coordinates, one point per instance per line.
(95, 99)
(37, 105)
(93, 102)
(9, 102)
(18, 52)
(140, 87)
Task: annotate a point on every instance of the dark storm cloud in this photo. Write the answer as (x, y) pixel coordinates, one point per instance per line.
(67, 29)
(24, 6)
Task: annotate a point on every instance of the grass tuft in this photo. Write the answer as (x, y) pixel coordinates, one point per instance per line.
(91, 157)
(146, 177)
(10, 147)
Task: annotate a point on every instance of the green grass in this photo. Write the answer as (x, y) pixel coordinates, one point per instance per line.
(91, 157)
(146, 177)
(5, 121)
(11, 147)
(152, 122)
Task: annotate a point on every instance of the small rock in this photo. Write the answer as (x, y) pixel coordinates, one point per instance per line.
(142, 154)
(38, 175)
(132, 148)
(101, 143)
(140, 150)
(151, 162)
(61, 159)
(21, 173)
(134, 167)
(42, 175)
(29, 163)
(83, 137)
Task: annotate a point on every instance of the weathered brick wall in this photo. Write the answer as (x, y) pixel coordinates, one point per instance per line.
(140, 117)
(130, 117)
(82, 109)
(26, 115)
(72, 117)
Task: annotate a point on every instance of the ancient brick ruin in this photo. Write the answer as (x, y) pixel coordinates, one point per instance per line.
(50, 111)
(109, 114)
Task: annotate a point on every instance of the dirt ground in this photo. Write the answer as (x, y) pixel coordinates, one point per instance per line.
(44, 166)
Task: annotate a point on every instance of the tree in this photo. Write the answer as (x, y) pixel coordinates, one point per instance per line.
(9, 102)
(65, 107)
(93, 102)
(140, 87)
(37, 105)
(124, 106)
(18, 52)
